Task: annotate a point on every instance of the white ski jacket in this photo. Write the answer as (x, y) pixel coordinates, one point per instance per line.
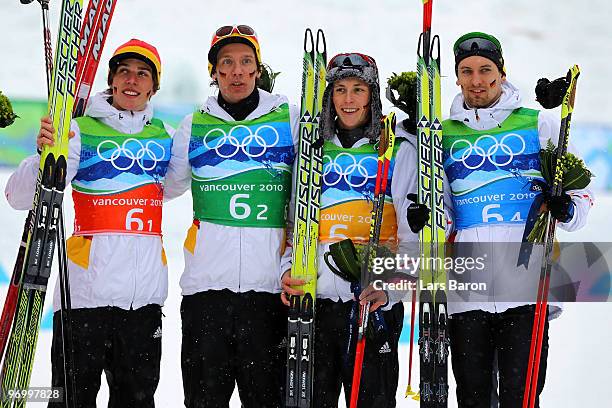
(404, 181)
(505, 262)
(220, 257)
(123, 270)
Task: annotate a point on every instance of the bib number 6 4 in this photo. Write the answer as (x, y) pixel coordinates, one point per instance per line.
(241, 210)
(489, 214)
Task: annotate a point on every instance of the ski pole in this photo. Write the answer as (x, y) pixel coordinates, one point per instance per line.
(44, 5)
(413, 309)
(385, 152)
(540, 315)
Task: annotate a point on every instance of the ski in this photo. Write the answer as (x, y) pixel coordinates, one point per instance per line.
(300, 325)
(10, 302)
(43, 234)
(301, 221)
(441, 345)
(426, 386)
(540, 316)
(96, 21)
(439, 227)
(385, 154)
(93, 35)
(433, 336)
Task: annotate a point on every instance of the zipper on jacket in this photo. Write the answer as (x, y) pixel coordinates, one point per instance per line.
(240, 261)
(137, 273)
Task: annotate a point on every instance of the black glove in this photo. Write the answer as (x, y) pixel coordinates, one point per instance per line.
(550, 94)
(561, 207)
(417, 214)
(410, 125)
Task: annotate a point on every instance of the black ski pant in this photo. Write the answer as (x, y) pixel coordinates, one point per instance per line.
(124, 344)
(231, 338)
(475, 336)
(334, 369)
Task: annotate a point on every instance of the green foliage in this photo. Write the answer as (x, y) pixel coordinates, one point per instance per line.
(401, 91)
(267, 79)
(573, 170)
(574, 176)
(7, 117)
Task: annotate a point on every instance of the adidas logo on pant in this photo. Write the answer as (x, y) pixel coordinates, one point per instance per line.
(385, 348)
(283, 343)
(158, 333)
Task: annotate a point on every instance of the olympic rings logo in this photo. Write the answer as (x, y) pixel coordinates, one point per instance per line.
(346, 171)
(489, 154)
(253, 141)
(148, 151)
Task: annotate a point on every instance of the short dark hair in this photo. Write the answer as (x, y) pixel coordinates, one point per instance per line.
(113, 70)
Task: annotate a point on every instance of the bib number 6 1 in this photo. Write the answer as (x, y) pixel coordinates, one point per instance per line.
(131, 219)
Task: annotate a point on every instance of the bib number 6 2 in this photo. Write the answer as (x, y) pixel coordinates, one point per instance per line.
(241, 210)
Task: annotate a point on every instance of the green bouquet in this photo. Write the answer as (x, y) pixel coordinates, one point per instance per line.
(267, 79)
(575, 176)
(349, 258)
(7, 117)
(401, 92)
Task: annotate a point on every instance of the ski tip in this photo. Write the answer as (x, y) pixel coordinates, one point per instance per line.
(308, 40)
(420, 46)
(574, 71)
(417, 397)
(321, 43)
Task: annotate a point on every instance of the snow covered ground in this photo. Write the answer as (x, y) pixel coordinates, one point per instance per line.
(540, 38)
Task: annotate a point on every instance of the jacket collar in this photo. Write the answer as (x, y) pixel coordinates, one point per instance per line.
(487, 118)
(267, 103)
(128, 122)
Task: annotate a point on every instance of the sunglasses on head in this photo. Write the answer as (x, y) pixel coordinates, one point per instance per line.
(474, 44)
(228, 30)
(351, 60)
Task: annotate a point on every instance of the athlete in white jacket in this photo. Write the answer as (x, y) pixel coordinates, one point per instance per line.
(491, 155)
(236, 155)
(219, 256)
(116, 163)
(351, 124)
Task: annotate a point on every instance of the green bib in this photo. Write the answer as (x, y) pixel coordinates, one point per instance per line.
(241, 171)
